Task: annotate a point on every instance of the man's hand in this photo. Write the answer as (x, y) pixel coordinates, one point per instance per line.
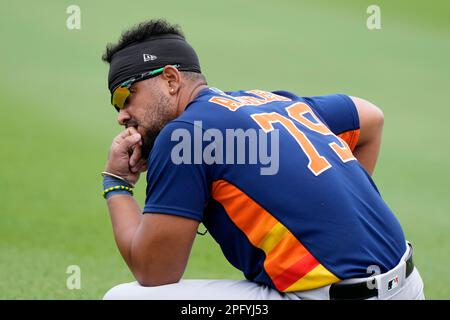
(125, 156)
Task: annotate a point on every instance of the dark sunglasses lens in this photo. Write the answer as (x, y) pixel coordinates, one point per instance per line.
(120, 95)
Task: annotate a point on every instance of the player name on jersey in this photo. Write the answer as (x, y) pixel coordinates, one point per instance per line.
(234, 103)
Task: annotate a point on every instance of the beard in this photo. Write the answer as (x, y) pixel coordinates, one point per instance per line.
(158, 114)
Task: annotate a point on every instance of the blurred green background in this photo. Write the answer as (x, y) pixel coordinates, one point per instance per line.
(57, 124)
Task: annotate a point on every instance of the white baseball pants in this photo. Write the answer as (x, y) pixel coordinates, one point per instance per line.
(410, 288)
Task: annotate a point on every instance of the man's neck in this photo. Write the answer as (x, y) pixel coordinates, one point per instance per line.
(196, 88)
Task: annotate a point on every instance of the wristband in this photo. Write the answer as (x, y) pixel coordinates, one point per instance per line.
(128, 183)
(113, 186)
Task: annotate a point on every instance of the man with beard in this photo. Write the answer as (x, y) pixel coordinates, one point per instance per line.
(315, 229)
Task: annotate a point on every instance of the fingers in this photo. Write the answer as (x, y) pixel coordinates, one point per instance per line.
(125, 154)
(124, 134)
(125, 147)
(135, 157)
(137, 162)
(131, 141)
(132, 130)
(140, 167)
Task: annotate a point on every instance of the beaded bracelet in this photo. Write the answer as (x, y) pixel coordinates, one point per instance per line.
(105, 192)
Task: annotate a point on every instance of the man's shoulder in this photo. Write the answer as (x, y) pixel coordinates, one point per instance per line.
(217, 109)
(213, 101)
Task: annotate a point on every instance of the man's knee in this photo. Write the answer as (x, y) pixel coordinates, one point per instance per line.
(119, 292)
(131, 291)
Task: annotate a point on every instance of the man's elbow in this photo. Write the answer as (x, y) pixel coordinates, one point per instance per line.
(149, 274)
(371, 119)
(377, 116)
(148, 280)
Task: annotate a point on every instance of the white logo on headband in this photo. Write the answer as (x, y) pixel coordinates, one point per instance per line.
(149, 57)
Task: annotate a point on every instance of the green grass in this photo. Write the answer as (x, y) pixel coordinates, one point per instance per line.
(57, 125)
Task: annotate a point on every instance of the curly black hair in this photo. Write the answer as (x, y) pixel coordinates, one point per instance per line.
(139, 33)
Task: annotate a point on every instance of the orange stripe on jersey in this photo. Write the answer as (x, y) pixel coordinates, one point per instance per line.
(287, 261)
(243, 211)
(351, 137)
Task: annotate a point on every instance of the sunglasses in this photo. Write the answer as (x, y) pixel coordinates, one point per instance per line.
(122, 91)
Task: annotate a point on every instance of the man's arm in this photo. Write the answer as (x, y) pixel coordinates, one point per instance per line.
(160, 248)
(155, 247)
(371, 120)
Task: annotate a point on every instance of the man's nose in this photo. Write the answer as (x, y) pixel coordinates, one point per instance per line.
(123, 117)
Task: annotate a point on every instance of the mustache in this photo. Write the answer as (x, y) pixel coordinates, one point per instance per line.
(131, 123)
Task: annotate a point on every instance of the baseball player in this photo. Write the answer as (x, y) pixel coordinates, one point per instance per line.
(308, 224)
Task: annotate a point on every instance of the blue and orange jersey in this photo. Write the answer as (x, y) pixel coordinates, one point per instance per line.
(314, 219)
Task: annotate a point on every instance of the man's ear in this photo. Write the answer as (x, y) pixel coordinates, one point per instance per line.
(172, 79)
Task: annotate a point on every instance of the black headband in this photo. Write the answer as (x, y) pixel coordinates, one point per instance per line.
(153, 53)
